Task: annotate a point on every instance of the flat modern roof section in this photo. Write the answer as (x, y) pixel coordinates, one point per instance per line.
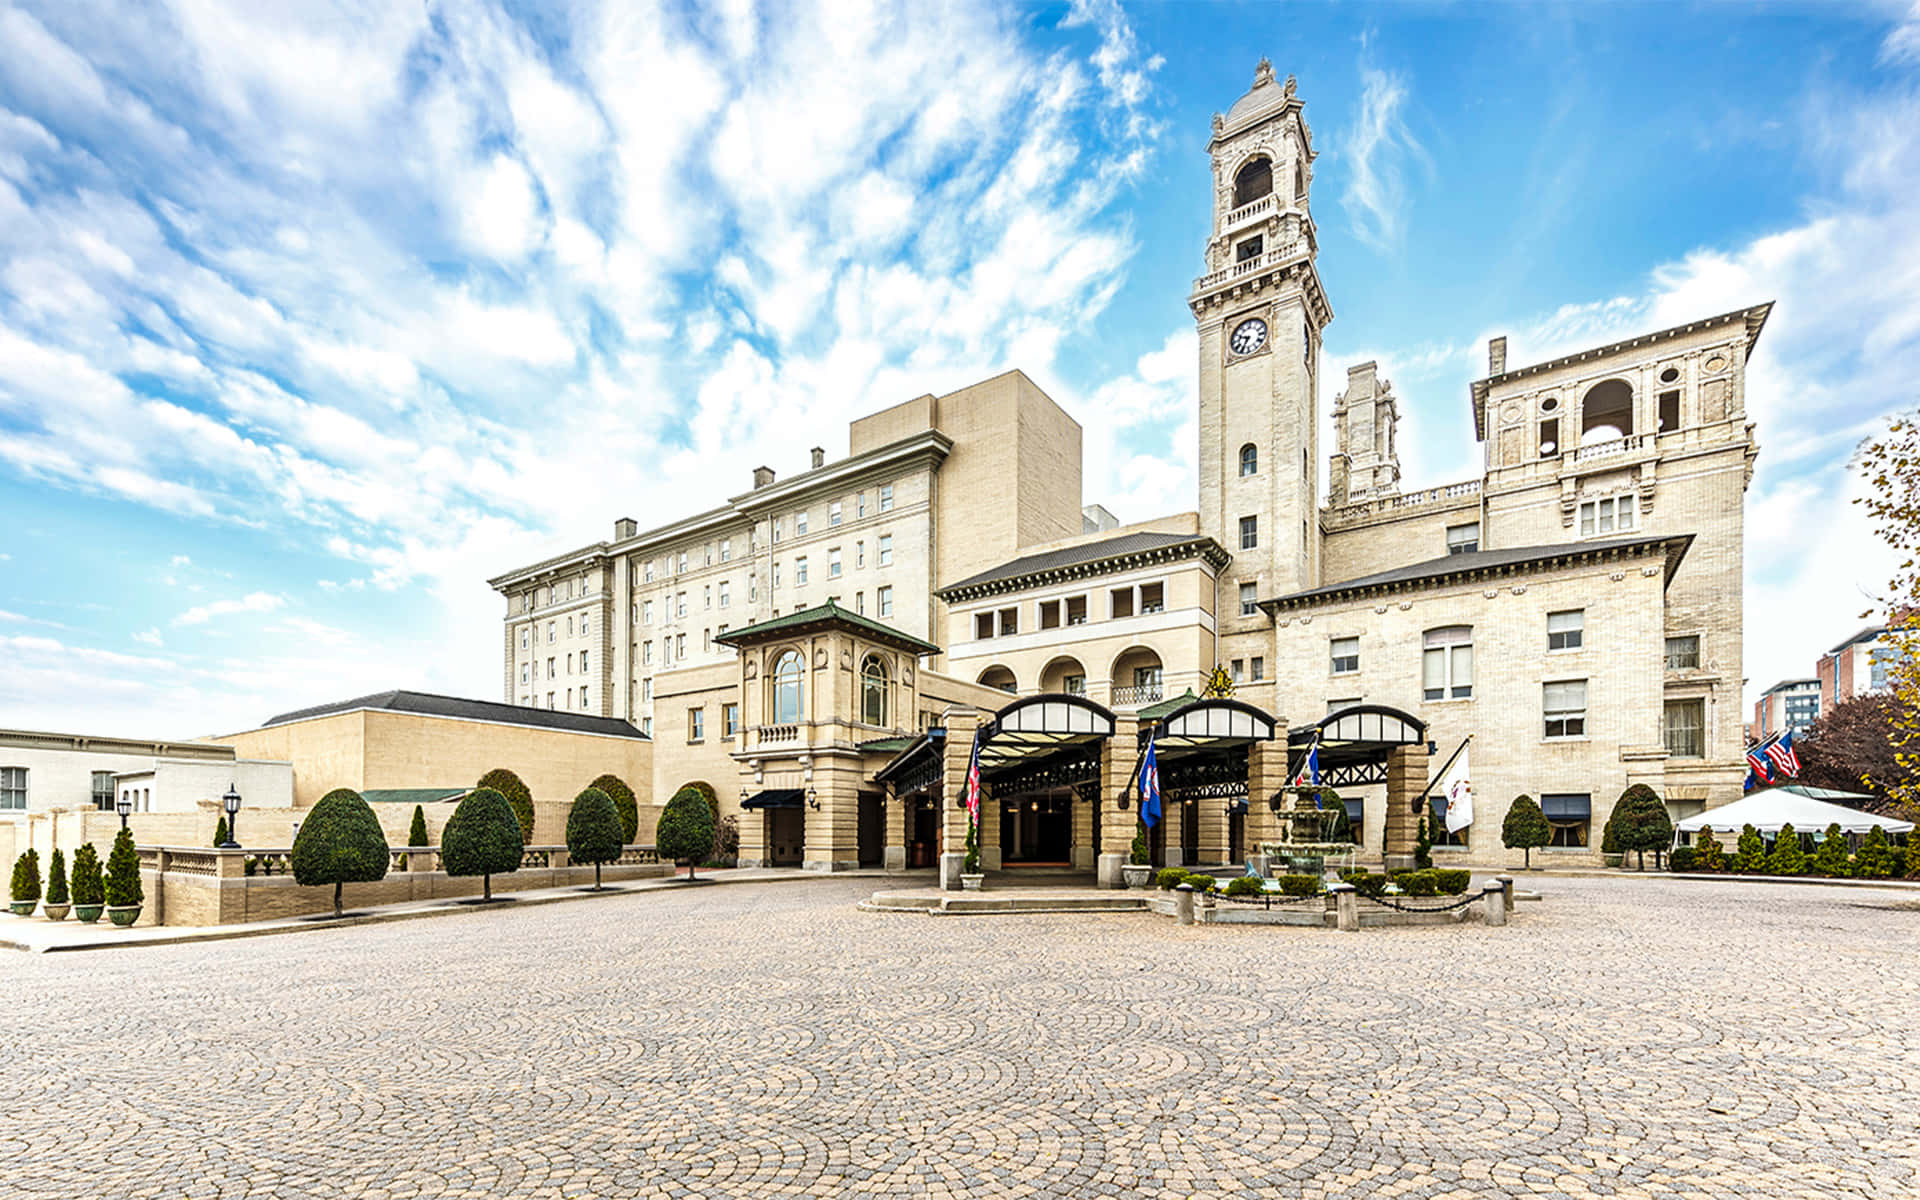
(1516, 560)
(427, 704)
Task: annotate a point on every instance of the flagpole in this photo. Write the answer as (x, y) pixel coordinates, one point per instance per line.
(1443, 773)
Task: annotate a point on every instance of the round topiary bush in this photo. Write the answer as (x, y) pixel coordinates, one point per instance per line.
(482, 838)
(1525, 828)
(1199, 882)
(340, 842)
(1245, 885)
(593, 831)
(685, 830)
(1640, 823)
(624, 803)
(518, 795)
(1169, 878)
(1452, 882)
(1683, 858)
(123, 887)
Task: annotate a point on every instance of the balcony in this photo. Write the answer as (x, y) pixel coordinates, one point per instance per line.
(1610, 448)
(1253, 266)
(1136, 695)
(1255, 210)
(776, 735)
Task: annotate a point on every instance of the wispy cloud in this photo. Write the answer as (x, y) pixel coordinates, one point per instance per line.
(1380, 153)
(252, 602)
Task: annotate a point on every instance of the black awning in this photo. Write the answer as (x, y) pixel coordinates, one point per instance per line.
(1355, 809)
(1567, 808)
(775, 798)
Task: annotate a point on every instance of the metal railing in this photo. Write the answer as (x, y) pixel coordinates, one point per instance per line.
(1128, 697)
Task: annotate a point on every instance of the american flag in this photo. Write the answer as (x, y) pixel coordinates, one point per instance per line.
(1783, 756)
(973, 781)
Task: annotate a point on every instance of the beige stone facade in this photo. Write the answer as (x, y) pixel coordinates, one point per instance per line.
(1580, 600)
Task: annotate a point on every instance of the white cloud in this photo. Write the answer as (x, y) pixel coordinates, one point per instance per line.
(251, 602)
(1380, 152)
(149, 637)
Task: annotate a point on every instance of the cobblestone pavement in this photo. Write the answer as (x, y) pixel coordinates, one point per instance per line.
(1625, 1038)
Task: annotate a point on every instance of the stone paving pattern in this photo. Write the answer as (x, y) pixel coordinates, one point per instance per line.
(1624, 1038)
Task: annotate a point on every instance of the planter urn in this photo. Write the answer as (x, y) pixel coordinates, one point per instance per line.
(87, 914)
(123, 915)
(56, 912)
(22, 908)
(1136, 875)
(972, 883)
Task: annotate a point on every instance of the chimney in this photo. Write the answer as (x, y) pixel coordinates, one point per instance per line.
(1497, 356)
(762, 476)
(819, 458)
(624, 528)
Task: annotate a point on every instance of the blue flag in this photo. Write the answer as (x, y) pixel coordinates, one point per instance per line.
(1150, 787)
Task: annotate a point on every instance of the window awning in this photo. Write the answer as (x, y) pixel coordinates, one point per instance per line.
(775, 798)
(1567, 808)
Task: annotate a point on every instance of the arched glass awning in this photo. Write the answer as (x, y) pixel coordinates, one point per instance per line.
(1355, 742)
(1040, 725)
(1208, 722)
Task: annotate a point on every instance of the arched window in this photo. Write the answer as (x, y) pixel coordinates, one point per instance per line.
(787, 689)
(1606, 413)
(1249, 460)
(1254, 181)
(873, 691)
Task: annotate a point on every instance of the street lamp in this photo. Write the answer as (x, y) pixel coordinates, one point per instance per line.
(123, 806)
(232, 802)
(813, 800)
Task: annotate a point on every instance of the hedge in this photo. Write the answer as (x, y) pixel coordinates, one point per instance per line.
(624, 803)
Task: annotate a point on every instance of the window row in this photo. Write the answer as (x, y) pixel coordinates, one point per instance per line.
(787, 696)
(583, 626)
(558, 592)
(529, 671)
(1071, 610)
(558, 700)
(836, 513)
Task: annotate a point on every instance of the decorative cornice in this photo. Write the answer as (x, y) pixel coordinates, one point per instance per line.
(1203, 548)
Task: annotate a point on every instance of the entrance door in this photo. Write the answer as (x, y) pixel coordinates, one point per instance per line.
(1190, 832)
(872, 829)
(786, 836)
(1037, 829)
(1237, 837)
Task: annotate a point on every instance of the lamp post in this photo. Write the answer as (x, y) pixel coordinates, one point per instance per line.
(123, 806)
(232, 802)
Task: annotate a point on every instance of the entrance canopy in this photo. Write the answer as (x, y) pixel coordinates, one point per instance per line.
(775, 798)
(1791, 804)
(1191, 723)
(1039, 726)
(1355, 743)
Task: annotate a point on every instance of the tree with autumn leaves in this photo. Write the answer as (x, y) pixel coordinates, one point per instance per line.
(1890, 465)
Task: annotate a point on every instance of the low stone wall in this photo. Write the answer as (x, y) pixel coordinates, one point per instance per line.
(191, 885)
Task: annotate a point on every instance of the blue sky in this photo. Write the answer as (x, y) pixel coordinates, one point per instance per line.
(312, 317)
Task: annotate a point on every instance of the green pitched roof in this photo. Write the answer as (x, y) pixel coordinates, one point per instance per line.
(413, 795)
(824, 615)
(888, 745)
(1153, 712)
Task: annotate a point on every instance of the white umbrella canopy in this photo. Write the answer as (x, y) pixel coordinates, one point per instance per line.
(1791, 804)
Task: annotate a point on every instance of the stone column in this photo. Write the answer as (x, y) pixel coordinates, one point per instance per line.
(1213, 831)
(1406, 780)
(894, 857)
(753, 838)
(1119, 803)
(1266, 774)
(833, 829)
(1083, 847)
(961, 724)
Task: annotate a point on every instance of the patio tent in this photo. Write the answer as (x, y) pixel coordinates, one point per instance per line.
(1807, 809)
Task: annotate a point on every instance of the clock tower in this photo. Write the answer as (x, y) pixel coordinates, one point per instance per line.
(1260, 311)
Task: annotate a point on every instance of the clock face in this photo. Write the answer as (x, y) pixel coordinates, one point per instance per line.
(1248, 336)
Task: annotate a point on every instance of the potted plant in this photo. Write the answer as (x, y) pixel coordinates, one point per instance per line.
(971, 877)
(1138, 868)
(26, 884)
(124, 890)
(89, 893)
(57, 904)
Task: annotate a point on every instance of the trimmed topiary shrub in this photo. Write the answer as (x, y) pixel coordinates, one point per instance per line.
(1708, 854)
(1452, 882)
(87, 886)
(624, 803)
(1299, 885)
(1245, 885)
(593, 831)
(1169, 878)
(1832, 857)
(1525, 828)
(26, 878)
(1367, 883)
(1199, 882)
(417, 832)
(1418, 883)
(482, 838)
(340, 842)
(517, 794)
(122, 886)
(1335, 827)
(686, 830)
(1139, 854)
(970, 861)
(1787, 857)
(1641, 824)
(1423, 847)
(1683, 858)
(1750, 853)
(57, 879)
(220, 835)
(1875, 860)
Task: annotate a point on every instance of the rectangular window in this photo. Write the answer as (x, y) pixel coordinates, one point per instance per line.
(800, 524)
(583, 662)
(646, 612)
(524, 675)
(1568, 814)
(1606, 516)
(523, 637)
(707, 552)
(800, 571)
(1256, 668)
(886, 549)
(860, 504)
(551, 673)
(726, 549)
(833, 513)
(680, 605)
(729, 721)
(680, 647)
(776, 531)
(1446, 665)
(859, 556)
(725, 597)
(646, 690)
(706, 641)
(860, 603)
(1566, 708)
(1120, 602)
(886, 497)
(1437, 827)
(1076, 610)
(683, 563)
(1049, 614)
(1074, 685)
(1550, 438)
(1237, 670)
(549, 701)
(586, 624)
(1249, 599)
(1686, 731)
(884, 599)
(982, 625)
(553, 632)
(569, 700)
(1669, 411)
(696, 724)
(583, 697)
(1009, 622)
(1463, 539)
(646, 572)
(1249, 532)
(1334, 706)
(1683, 653)
(1346, 655)
(753, 589)
(776, 574)
(103, 785)
(1153, 597)
(706, 596)
(1566, 630)
(646, 654)
(833, 563)
(646, 726)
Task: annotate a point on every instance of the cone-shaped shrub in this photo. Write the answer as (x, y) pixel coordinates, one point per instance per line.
(57, 879)
(1641, 823)
(518, 796)
(417, 832)
(1787, 857)
(624, 803)
(1711, 857)
(685, 830)
(1525, 827)
(220, 835)
(26, 877)
(1750, 854)
(340, 842)
(593, 831)
(1139, 854)
(1831, 858)
(1422, 847)
(482, 838)
(87, 885)
(123, 886)
(1876, 857)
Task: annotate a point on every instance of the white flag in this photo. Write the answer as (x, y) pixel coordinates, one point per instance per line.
(1458, 790)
